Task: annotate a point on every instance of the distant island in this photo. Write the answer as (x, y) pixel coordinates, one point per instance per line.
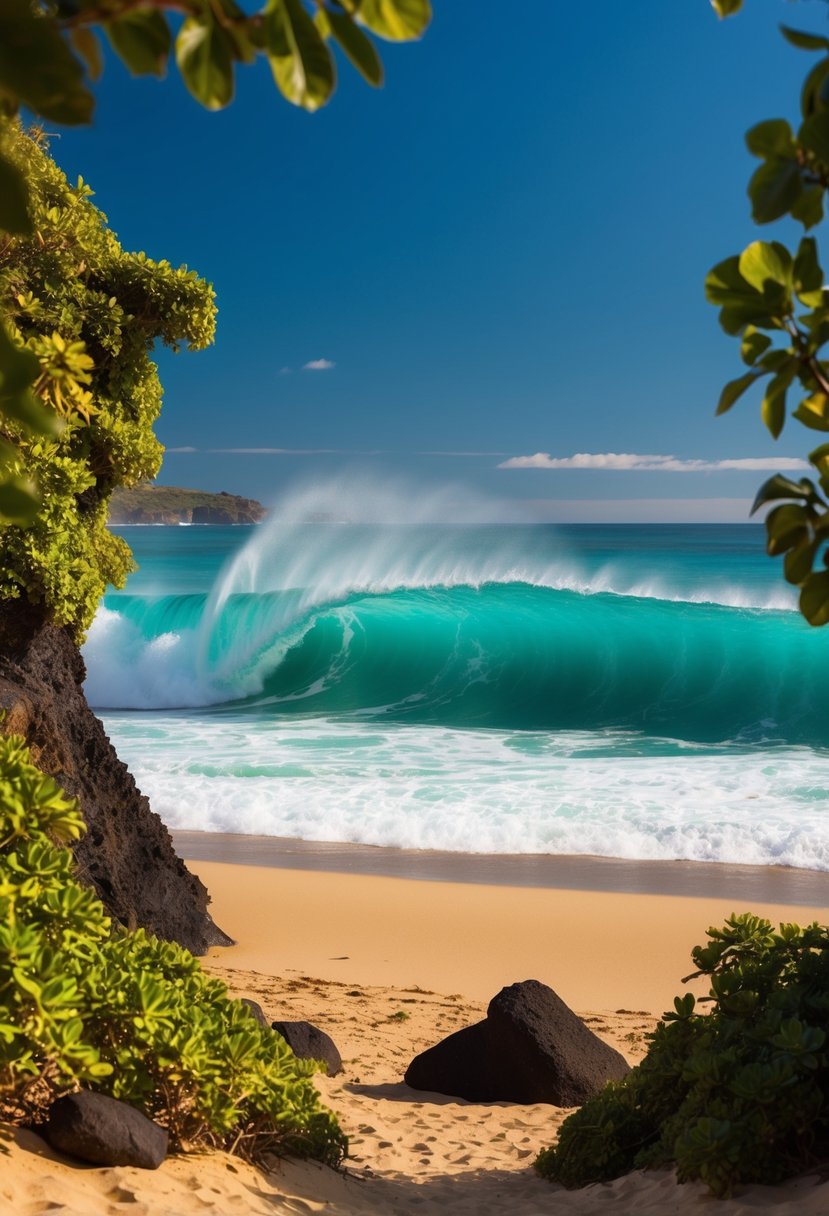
(149, 504)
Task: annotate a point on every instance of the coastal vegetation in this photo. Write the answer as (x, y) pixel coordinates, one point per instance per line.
(86, 314)
(85, 1003)
(738, 1093)
(775, 302)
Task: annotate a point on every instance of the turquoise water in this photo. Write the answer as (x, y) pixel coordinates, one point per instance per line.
(626, 691)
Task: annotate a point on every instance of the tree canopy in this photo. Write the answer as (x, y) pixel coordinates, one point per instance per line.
(776, 302)
(86, 315)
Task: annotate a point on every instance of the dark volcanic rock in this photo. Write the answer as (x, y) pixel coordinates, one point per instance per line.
(256, 1009)
(127, 854)
(93, 1127)
(530, 1048)
(308, 1042)
(460, 1066)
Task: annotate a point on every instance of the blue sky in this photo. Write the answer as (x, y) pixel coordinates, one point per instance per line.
(501, 253)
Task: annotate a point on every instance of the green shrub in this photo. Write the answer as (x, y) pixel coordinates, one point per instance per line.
(89, 314)
(740, 1094)
(87, 1004)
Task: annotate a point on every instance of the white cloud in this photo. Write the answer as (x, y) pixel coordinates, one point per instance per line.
(318, 365)
(285, 371)
(629, 461)
(187, 449)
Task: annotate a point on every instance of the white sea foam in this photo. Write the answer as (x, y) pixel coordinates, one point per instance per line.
(481, 791)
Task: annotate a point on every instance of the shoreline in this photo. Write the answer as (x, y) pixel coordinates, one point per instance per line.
(778, 885)
(599, 950)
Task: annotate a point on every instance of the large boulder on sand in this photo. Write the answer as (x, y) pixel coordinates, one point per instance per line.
(93, 1127)
(530, 1048)
(308, 1042)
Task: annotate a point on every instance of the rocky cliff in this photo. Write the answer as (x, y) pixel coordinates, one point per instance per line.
(127, 854)
(149, 504)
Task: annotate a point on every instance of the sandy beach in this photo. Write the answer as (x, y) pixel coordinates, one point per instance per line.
(388, 966)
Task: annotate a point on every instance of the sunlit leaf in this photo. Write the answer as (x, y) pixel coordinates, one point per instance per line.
(763, 262)
(396, 20)
(203, 55)
(300, 61)
(725, 8)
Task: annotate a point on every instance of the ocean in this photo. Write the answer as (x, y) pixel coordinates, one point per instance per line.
(623, 691)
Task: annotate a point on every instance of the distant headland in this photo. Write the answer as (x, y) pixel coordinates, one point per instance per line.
(149, 504)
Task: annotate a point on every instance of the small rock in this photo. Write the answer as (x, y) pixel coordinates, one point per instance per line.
(257, 1011)
(93, 1127)
(310, 1043)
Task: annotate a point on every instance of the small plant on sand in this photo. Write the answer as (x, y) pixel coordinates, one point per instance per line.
(84, 1003)
(738, 1094)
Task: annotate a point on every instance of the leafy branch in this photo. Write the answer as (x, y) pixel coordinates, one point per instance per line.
(777, 305)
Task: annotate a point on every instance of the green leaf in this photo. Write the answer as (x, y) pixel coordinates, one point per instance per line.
(786, 527)
(203, 55)
(814, 598)
(395, 20)
(813, 412)
(86, 43)
(773, 407)
(358, 49)
(771, 138)
(754, 344)
(797, 563)
(808, 275)
(14, 205)
(780, 486)
(814, 135)
(808, 209)
(726, 8)
(37, 67)
(300, 61)
(763, 262)
(806, 42)
(725, 285)
(774, 188)
(819, 457)
(735, 389)
(19, 501)
(813, 96)
(142, 39)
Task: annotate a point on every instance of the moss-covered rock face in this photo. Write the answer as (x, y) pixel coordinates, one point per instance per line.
(738, 1094)
(91, 313)
(83, 1003)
